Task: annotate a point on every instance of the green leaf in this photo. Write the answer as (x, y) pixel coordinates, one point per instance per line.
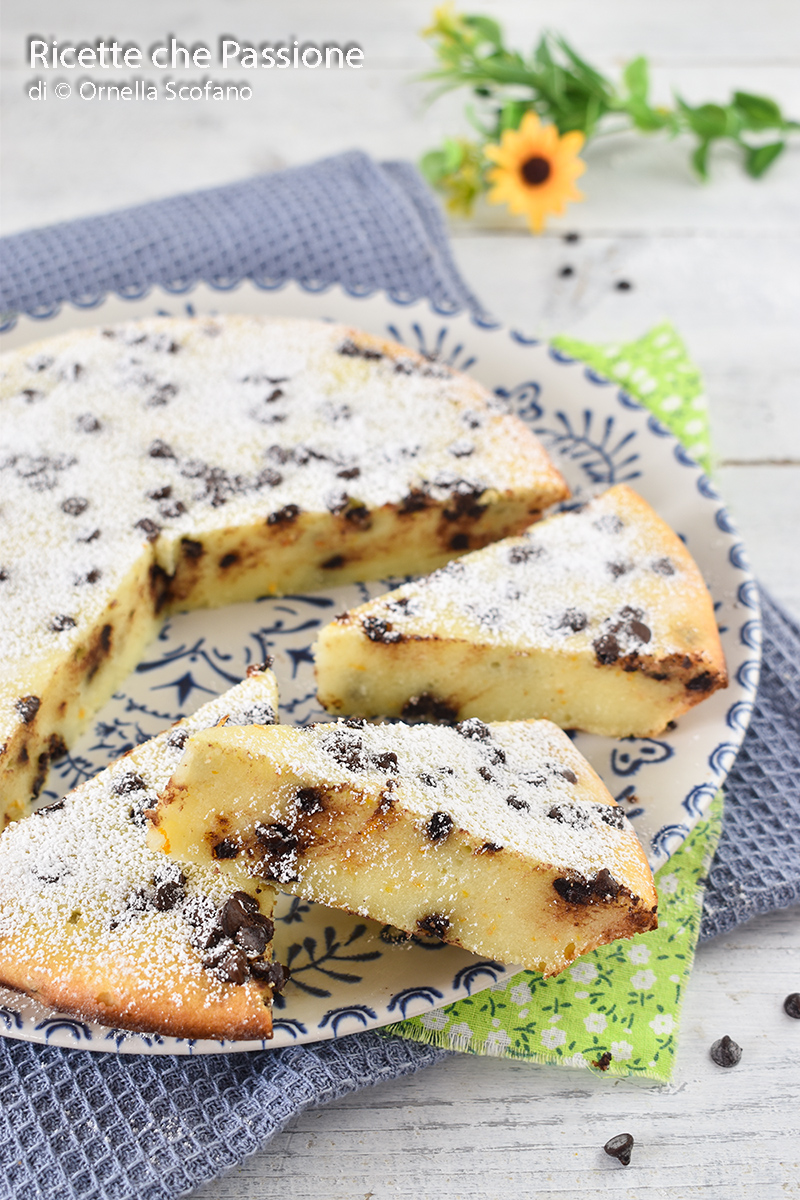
(512, 113)
(636, 77)
(758, 112)
(453, 155)
(648, 119)
(488, 29)
(708, 120)
(700, 160)
(758, 159)
(433, 167)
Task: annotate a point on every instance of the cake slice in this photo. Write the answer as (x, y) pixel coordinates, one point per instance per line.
(498, 838)
(596, 619)
(169, 464)
(94, 923)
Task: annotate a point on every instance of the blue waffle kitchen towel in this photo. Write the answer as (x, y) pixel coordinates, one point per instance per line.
(89, 1126)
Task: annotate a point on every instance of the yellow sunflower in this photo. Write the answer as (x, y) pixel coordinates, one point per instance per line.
(536, 170)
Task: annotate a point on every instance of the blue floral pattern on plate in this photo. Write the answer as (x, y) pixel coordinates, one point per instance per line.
(351, 974)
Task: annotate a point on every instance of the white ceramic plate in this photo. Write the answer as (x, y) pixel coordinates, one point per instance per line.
(345, 975)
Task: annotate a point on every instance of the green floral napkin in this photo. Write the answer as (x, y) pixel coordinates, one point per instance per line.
(617, 1009)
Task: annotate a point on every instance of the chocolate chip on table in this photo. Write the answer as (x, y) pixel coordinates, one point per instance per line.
(791, 1005)
(620, 1147)
(725, 1052)
(572, 237)
(623, 285)
(566, 271)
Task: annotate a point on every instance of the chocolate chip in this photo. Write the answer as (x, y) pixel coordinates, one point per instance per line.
(148, 528)
(191, 548)
(428, 780)
(566, 271)
(701, 683)
(228, 560)
(663, 566)
(348, 473)
(378, 630)
(74, 505)
(573, 620)
(439, 827)
(486, 774)
(258, 713)
(607, 649)
(61, 622)
(171, 509)
(579, 890)
(489, 848)
(86, 423)
(56, 806)
(572, 237)
(517, 803)
(725, 1052)
(90, 537)
(285, 515)
(475, 729)
(333, 563)
(609, 523)
(568, 814)
(309, 800)
(227, 848)
(273, 973)
(268, 478)
(354, 722)
(639, 630)
(279, 845)
(90, 577)
(259, 668)
(228, 963)
(159, 449)
(127, 783)
(350, 349)
(620, 1147)
(464, 502)
(415, 501)
(170, 893)
(162, 493)
(566, 773)
(459, 541)
(612, 815)
(27, 707)
(791, 1005)
(617, 569)
(178, 738)
(521, 554)
(359, 516)
(428, 707)
(347, 749)
(623, 285)
(4, 574)
(386, 761)
(435, 924)
(238, 910)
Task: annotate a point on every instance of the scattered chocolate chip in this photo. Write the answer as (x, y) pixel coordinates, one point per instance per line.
(159, 449)
(435, 924)
(348, 473)
(701, 683)
(90, 577)
(90, 537)
(350, 349)
(662, 566)
(170, 509)
(162, 493)
(486, 774)
(86, 423)
(178, 738)
(612, 815)
(228, 560)
(227, 848)
(56, 806)
(378, 630)
(568, 814)
(4, 574)
(333, 563)
(309, 800)
(27, 707)
(148, 528)
(521, 554)
(236, 912)
(386, 761)
(428, 780)
(268, 478)
(284, 516)
(725, 1052)
(791, 1005)
(572, 237)
(439, 827)
(459, 541)
(573, 620)
(426, 707)
(347, 749)
(259, 668)
(127, 783)
(354, 722)
(623, 285)
(74, 506)
(191, 548)
(170, 893)
(617, 569)
(579, 890)
(566, 773)
(272, 973)
(229, 963)
(604, 1062)
(61, 622)
(359, 516)
(488, 848)
(279, 846)
(517, 803)
(257, 713)
(620, 1147)
(464, 502)
(566, 271)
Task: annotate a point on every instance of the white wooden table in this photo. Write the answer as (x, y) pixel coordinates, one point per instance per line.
(723, 263)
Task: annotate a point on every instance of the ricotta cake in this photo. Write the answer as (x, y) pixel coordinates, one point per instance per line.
(94, 923)
(498, 838)
(596, 619)
(179, 463)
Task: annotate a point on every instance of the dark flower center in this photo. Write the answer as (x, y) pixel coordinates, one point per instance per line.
(536, 170)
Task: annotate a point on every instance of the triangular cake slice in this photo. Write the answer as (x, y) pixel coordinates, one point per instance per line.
(498, 838)
(94, 923)
(596, 619)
